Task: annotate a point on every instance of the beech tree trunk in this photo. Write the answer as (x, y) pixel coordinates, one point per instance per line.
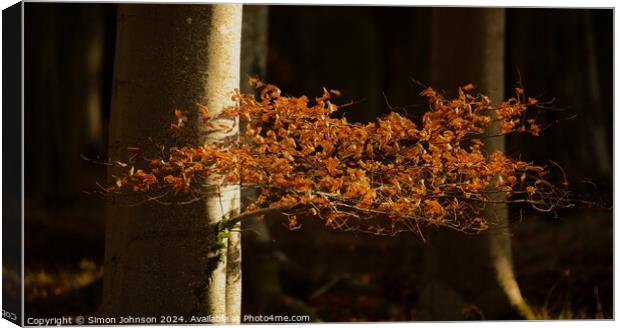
(160, 258)
(466, 272)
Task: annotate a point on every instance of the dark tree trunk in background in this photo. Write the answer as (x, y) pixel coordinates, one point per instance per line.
(581, 82)
(262, 289)
(170, 57)
(64, 53)
(467, 45)
(65, 68)
(598, 146)
(254, 45)
(262, 279)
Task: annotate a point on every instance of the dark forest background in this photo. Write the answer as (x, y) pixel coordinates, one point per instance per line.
(372, 54)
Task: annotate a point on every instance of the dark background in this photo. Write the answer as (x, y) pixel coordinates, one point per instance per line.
(371, 54)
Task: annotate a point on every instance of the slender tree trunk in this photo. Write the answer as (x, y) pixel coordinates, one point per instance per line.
(599, 140)
(262, 285)
(66, 78)
(254, 49)
(471, 272)
(263, 275)
(93, 65)
(159, 260)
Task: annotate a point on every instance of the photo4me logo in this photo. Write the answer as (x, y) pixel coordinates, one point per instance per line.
(9, 315)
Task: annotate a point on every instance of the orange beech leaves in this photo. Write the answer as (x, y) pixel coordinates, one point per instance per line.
(383, 177)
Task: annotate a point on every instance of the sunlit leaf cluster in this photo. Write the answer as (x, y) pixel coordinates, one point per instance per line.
(383, 177)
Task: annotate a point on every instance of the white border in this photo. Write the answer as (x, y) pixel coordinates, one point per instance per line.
(482, 3)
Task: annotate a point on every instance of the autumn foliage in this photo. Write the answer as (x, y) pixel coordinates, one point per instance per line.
(383, 177)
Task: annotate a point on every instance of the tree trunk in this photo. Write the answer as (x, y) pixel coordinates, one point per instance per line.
(599, 141)
(254, 34)
(262, 279)
(466, 272)
(159, 260)
(66, 77)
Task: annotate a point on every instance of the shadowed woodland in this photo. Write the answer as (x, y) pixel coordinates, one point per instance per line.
(379, 58)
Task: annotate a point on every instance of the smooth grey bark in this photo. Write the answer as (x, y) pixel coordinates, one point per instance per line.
(224, 62)
(467, 45)
(157, 256)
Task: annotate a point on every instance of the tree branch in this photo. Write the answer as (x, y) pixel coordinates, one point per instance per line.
(259, 212)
